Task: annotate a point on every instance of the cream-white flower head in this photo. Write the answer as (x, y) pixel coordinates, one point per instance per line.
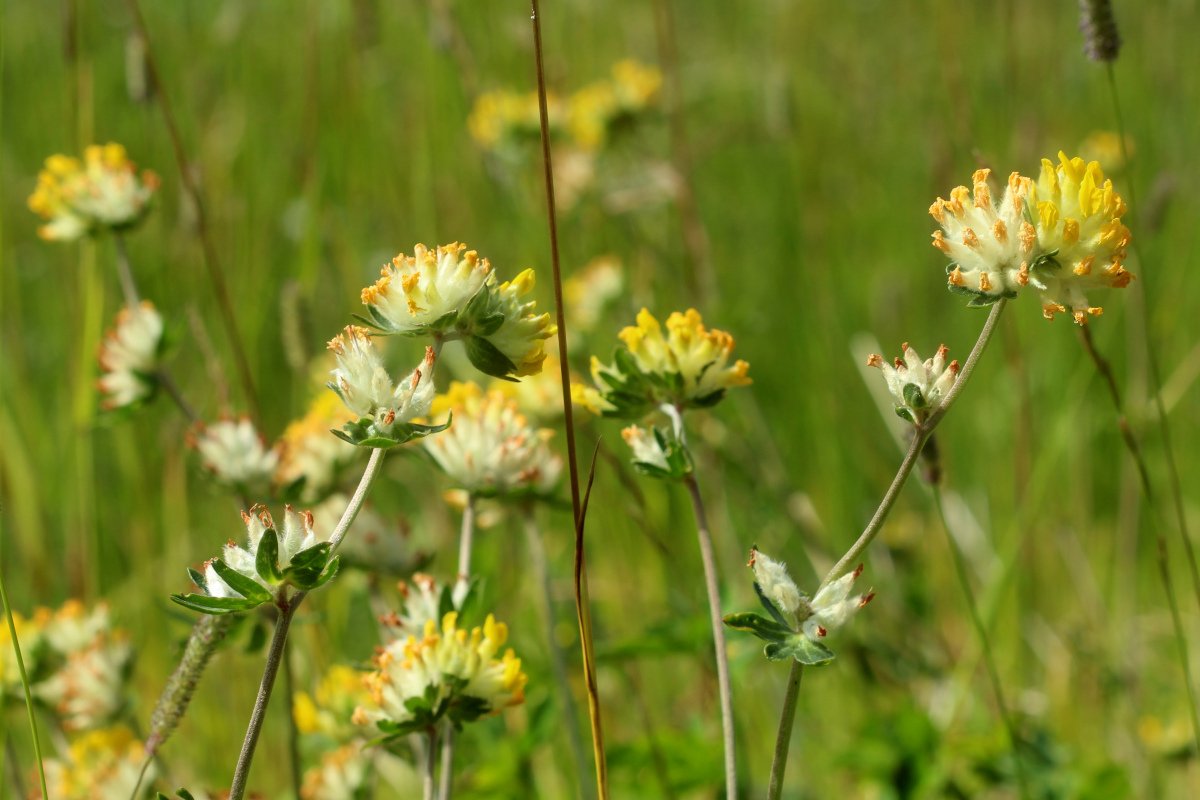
(645, 447)
(341, 775)
(102, 191)
(88, 690)
(235, 453)
(832, 607)
(423, 291)
(490, 447)
(129, 356)
(992, 246)
(103, 764)
(917, 386)
(366, 388)
(776, 585)
(297, 534)
(448, 662)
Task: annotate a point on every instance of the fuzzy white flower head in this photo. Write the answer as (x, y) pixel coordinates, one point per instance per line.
(101, 765)
(422, 603)
(235, 453)
(366, 388)
(646, 448)
(458, 669)
(590, 290)
(73, 626)
(129, 356)
(776, 585)
(297, 534)
(832, 607)
(86, 691)
(991, 246)
(425, 291)
(917, 386)
(490, 447)
(521, 337)
(102, 191)
(1080, 232)
(341, 775)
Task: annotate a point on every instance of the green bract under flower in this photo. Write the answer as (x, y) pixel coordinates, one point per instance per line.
(687, 368)
(246, 577)
(917, 386)
(797, 624)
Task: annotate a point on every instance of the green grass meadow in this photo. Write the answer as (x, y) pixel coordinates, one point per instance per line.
(329, 135)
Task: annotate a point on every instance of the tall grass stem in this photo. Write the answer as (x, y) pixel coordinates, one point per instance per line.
(582, 610)
(466, 541)
(16, 645)
(712, 587)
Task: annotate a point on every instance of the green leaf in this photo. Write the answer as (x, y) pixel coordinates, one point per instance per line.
(488, 359)
(246, 587)
(769, 605)
(214, 605)
(801, 648)
(311, 557)
(266, 561)
(766, 629)
(904, 414)
(198, 579)
(331, 571)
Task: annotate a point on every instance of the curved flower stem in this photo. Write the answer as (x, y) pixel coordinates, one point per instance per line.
(718, 629)
(293, 738)
(466, 540)
(287, 609)
(920, 437)
(125, 272)
(985, 645)
(16, 645)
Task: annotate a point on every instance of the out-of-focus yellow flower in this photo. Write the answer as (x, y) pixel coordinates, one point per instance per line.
(29, 634)
(235, 454)
(102, 765)
(596, 108)
(687, 368)
(309, 452)
(490, 447)
(538, 397)
(1080, 233)
(103, 191)
(522, 335)
(447, 672)
(328, 709)
(341, 775)
(589, 291)
(1105, 147)
(992, 247)
(503, 118)
(129, 356)
(635, 85)
(425, 292)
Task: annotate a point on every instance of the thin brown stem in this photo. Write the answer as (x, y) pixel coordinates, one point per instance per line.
(212, 265)
(718, 630)
(581, 607)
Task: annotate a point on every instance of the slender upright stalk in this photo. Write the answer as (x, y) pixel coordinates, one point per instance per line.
(985, 645)
(293, 738)
(188, 179)
(427, 774)
(287, 609)
(16, 644)
(920, 436)
(718, 630)
(466, 540)
(558, 665)
(125, 272)
(13, 769)
(583, 612)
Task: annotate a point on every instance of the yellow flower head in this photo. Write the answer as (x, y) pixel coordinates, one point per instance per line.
(425, 292)
(101, 765)
(522, 336)
(329, 708)
(503, 118)
(991, 245)
(490, 447)
(1080, 234)
(80, 197)
(446, 671)
(596, 108)
(30, 634)
(687, 367)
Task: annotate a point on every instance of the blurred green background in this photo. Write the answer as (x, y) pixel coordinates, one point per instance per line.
(329, 135)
